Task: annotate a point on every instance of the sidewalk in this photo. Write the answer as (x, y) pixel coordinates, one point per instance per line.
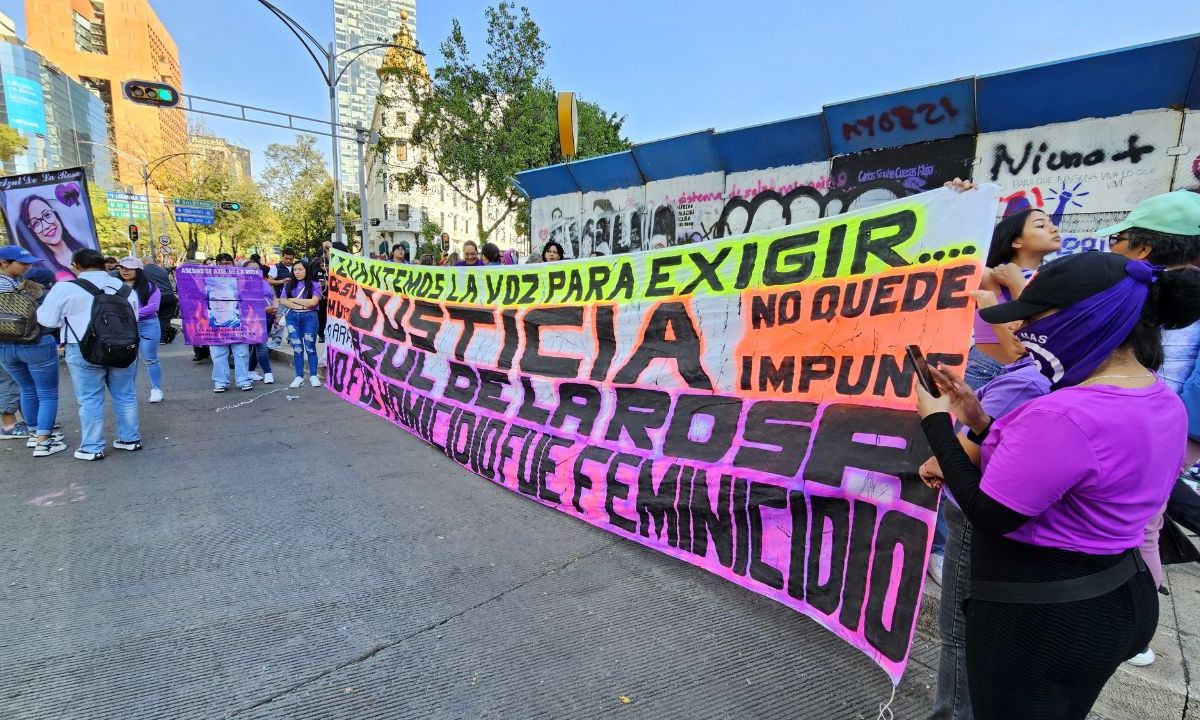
(1170, 687)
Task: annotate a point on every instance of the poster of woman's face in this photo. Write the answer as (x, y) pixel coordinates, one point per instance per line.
(48, 214)
(221, 297)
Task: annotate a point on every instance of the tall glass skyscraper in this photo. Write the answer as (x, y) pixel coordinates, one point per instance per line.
(57, 116)
(356, 22)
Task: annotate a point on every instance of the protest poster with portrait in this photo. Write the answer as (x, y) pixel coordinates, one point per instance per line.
(48, 214)
(222, 305)
(744, 404)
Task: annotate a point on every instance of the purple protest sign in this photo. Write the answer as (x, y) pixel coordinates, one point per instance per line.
(221, 305)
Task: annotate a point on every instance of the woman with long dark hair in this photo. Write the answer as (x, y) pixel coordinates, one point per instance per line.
(1059, 594)
(149, 328)
(300, 296)
(42, 232)
(1019, 244)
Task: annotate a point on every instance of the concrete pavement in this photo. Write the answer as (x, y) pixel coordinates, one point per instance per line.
(280, 554)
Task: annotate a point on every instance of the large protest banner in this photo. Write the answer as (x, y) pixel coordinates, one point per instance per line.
(221, 304)
(49, 214)
(743, 404)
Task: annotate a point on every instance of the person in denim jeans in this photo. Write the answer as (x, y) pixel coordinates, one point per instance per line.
(130, 269)
(69, 306)
(260, 354)
(220, 353)
(301, 296)
(33, 367)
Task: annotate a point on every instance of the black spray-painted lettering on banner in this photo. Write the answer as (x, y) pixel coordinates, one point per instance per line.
(879, 375)
(721, 519)
(791, 259)
(670, 334)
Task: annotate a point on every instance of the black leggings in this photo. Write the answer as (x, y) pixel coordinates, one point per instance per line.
(1049, 661)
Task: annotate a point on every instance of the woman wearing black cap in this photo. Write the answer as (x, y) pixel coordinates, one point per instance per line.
(1059, 595)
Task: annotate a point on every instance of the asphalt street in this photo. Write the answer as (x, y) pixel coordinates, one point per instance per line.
(281, 554)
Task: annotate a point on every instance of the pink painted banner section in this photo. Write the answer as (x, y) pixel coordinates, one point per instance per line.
(843, 546)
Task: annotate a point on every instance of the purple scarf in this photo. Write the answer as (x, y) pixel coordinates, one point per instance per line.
(1070, 344)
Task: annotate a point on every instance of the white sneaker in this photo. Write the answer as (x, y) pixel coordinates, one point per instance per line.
(268, 379)
(255, 376)
(33, 439)
(314, 381)
(156, 395)
(935, 568)
(1142, 659)
(297, 382)
(49, 448)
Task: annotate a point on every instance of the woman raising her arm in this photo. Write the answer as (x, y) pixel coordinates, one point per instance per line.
(1059, 594)
(1019, 243)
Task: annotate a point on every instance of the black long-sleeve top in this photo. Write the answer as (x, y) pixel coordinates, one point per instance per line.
(963, 478)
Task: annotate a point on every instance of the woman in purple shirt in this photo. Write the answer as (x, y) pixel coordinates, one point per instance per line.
(300, 296)
(1059, 594)
(1019, 243)
(149, 328)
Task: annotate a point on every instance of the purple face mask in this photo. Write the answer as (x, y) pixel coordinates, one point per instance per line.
(1070, 344)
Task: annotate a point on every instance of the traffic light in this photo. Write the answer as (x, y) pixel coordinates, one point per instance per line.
(133, 233)
(234, 206)
(445, 244)
(151, 93)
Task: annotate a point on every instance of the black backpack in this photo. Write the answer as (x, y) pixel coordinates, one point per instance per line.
(112, 335)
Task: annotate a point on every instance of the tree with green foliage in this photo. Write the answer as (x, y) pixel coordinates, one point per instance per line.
(112, 233)
(301, 190)
(428, 245)
(478, 124)
(201, 181)
(11, 143)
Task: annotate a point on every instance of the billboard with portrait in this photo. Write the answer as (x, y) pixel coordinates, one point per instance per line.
(48, 214)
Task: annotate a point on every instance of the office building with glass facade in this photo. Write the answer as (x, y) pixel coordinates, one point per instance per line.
(58, 117)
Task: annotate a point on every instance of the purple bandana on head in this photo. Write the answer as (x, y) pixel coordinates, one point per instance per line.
(1070, 344)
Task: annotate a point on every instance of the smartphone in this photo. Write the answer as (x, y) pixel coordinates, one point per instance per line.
(917, 358)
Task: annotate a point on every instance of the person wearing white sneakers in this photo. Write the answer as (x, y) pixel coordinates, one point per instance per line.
(33, 365)
(68, 305)
(130, 269)
(300, 296)
(260, 354)
(222, 299)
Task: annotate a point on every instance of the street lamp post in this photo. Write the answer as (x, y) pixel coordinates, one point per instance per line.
(332, 75)
(147, 171)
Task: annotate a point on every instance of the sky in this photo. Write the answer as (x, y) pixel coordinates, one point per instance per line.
(674, 67)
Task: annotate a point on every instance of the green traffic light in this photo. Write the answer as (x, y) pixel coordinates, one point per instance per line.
(165, 95)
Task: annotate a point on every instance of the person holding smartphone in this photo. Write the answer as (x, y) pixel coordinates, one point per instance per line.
(1060, 595)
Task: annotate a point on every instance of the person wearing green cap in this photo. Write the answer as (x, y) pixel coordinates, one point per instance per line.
(1164, 230)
